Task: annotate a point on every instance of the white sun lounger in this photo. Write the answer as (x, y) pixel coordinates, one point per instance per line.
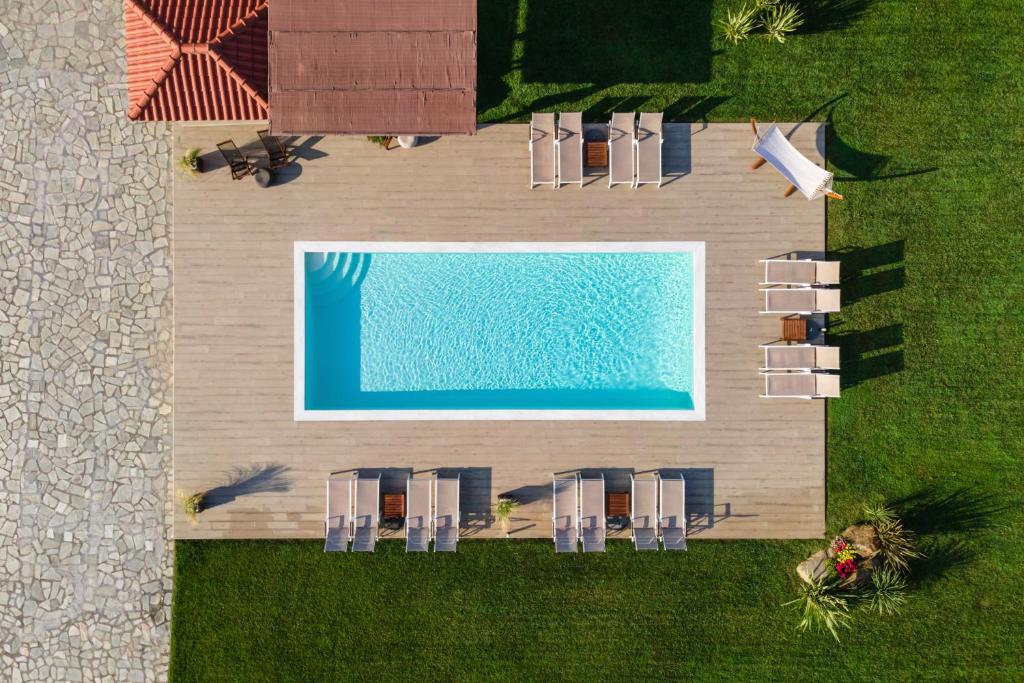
(643, 519)
(564, 514)
(801, 300)
(800, 357)
(570, 148)
(621, 149)
(542, 150)
(338, 520)
(803, 272)
(367, 518)
(800, 385)
(417, 515)
(446, 514)
(672, 512)
(802, 173)
(649, 139)
(592, 514)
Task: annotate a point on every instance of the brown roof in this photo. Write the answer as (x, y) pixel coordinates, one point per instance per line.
(373, 66)
(196, 59)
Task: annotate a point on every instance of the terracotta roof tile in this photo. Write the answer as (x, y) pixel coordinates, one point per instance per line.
(196, 60)
(387, 67)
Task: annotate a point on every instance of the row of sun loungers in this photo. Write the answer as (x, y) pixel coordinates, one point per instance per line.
(657, 513)
(634, 151)
(353, 513)
(808, 289)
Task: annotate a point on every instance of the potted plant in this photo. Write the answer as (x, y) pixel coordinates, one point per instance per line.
(503, 512)
(191, 163)
(192, 504)
(382, 141)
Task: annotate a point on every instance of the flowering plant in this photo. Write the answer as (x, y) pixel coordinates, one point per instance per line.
(844, 557)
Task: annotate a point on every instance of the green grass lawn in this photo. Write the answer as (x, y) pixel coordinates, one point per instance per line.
(925, 102)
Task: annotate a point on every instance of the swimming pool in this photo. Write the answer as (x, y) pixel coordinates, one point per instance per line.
(465, 330)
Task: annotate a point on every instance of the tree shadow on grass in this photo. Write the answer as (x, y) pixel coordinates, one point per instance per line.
(821, 16)
(941, 555)
(933, 512)
(245, 481)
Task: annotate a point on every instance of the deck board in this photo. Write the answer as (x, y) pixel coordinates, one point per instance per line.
(755, 468)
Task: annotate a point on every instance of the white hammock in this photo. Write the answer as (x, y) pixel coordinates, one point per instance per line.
(806, 176)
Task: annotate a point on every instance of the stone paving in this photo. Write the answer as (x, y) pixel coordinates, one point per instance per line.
(85, 354)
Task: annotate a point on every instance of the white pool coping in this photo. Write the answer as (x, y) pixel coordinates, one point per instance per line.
(695, 248)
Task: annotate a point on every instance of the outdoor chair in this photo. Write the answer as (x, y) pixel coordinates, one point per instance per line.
(643, 517)
(672, 512)
(569, 144)
(367, 517)
(277, 155)
(564, 514)
(417, 515)
(800, 385)
(338, 520)
(542, 150)
(650, 137)
(806, 300)
(621, 149)
(446, 514)
(803, 174)
(238, 163)
(804, 272)
(592, 514)
(800, 357)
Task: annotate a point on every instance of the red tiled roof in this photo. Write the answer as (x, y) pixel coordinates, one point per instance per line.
(388, 67)
(196, 60)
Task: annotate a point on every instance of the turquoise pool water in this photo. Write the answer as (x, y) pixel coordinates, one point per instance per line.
(498, 331)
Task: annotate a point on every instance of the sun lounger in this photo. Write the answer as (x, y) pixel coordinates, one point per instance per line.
(805, 300)
(800, 357)
(237, 162)
(649, 139)
(367, 516)
(338, 520)
(542, 150)
(672, 512)
(800, 385)
(277, 155)
(802, 173)
(417, 515)
(592, 514)
(643, 518)
(446, 514)
(803, 272)
(570, 148)
(564, 514)
(621, 149)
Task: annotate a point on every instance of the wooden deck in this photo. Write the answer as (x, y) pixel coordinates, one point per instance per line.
(755, 468)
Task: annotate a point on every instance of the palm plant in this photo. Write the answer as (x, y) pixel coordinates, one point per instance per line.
(780, 19)
(192, 504)
(190, 162)
(504, 510)
(823, 608)
(887, 592)
(895, 543)
(738, 25)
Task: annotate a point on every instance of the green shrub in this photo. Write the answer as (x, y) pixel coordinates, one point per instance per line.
(189, 162)
(823, 607)
(896, 544)
(192, 504)
(738, 25)
(887, 593)
(781, 19)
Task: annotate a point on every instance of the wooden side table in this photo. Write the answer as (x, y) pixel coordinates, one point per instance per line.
(595, 154)
(394, 506)
(618, 504)
(794, 329)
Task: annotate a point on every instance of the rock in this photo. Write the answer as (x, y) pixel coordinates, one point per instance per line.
(815, 567)
(863, 538)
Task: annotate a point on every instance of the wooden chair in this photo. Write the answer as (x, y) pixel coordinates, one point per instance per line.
(277, 153)
(236, 161)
